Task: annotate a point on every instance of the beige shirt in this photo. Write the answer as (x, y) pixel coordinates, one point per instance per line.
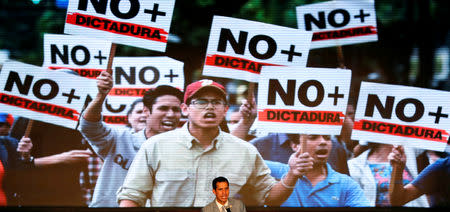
(173, 170)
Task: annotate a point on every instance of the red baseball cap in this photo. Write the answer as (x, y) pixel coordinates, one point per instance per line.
(195, 87)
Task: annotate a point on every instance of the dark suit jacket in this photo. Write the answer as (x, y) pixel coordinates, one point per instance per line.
(236, 206)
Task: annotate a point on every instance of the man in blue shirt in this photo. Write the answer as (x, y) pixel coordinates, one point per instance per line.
(279, 147)
(321, 186)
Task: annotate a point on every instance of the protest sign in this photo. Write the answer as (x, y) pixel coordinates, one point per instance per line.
(396, 114)
(139, 23)
(303, 100)
(337, 23)
(86, 56)
(40, 94)
(133, 76)
(238, 48)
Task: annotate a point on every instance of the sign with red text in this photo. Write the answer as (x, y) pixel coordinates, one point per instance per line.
(40, 94)
(133, 76)
(238, 49)
(337, 23)
(396, 114)
(86, 56)
(303, 100)
(139, 23)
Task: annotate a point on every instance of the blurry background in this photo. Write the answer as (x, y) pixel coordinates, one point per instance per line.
(413, 45)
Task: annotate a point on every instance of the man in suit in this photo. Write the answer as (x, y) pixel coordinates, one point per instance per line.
(222, 203)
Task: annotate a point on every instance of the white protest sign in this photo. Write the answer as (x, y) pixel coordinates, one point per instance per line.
(336, 23)
(133, 76)
(86, 56)
(396, 114)
(238, 48)
(40, 94)
(115, 109)
(140, 23)
(303, 100)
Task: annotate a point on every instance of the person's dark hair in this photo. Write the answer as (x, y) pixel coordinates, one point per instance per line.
(132, 106)
(294, 138)
(219, 179)
(151, 95)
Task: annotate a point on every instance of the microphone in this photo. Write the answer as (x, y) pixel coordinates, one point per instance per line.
(228, 208)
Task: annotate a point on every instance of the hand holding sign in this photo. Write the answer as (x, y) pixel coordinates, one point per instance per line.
(104, 83)
(300, 162)
(397, 157)
(24, 147)
(248, 111)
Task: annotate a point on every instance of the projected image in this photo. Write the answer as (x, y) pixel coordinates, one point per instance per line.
(224, 105)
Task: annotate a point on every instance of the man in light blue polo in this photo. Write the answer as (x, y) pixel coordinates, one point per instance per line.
(321, 186)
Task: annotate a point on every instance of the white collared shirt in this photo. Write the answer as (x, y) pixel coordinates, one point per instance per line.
(220, 205)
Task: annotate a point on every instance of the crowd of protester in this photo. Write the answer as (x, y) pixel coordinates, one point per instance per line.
(152, 161)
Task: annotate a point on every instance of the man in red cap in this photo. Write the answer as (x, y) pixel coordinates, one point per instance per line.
(6, 121)
(175, 168)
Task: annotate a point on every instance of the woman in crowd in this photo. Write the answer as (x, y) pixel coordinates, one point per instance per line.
(372, 171)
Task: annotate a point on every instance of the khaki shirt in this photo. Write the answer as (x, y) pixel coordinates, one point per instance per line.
(173, 170)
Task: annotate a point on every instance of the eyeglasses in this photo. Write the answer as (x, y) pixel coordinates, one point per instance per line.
(203, 103)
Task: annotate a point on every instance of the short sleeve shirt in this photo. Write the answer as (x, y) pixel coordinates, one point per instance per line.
(434, 181)
(337, 190)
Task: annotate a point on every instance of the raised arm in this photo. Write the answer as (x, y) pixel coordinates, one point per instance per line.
(299, 164)
(94, 109)
(248, 114)
(398, 193)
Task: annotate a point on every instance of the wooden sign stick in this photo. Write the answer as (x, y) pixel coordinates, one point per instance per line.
(250, 91)
(112, 53)
(26, 155)
(340, 56)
